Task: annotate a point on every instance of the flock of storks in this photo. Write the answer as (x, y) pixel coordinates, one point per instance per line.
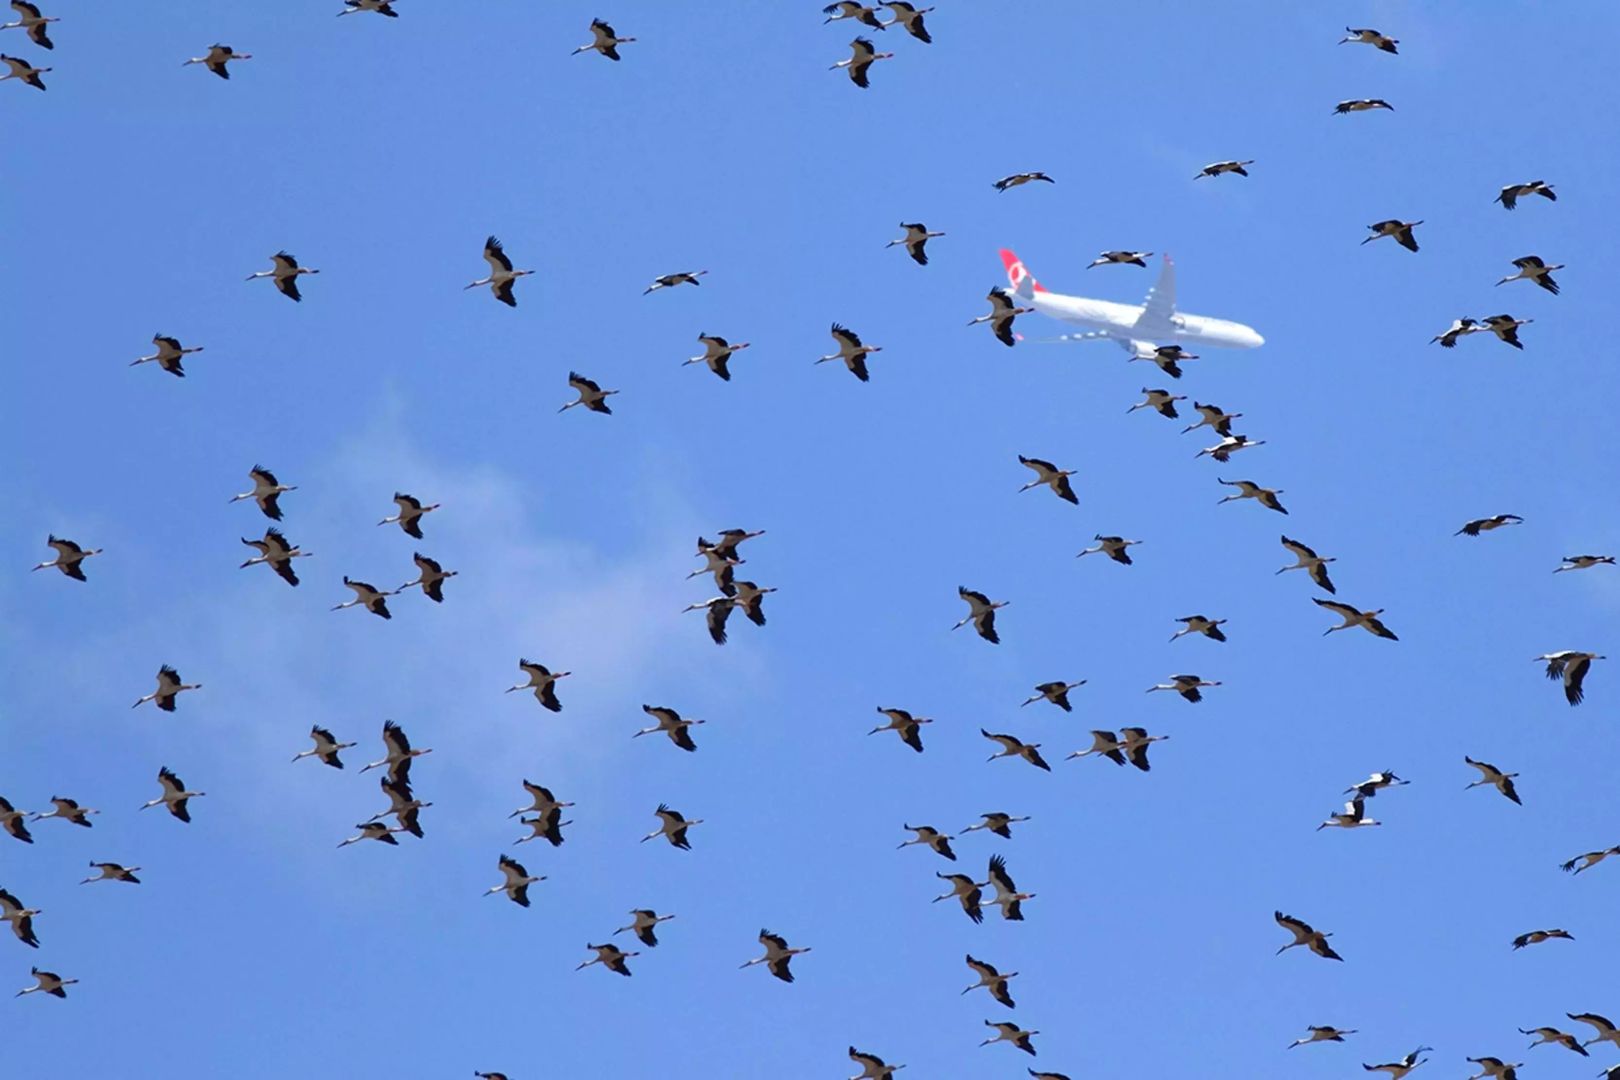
(543, 814)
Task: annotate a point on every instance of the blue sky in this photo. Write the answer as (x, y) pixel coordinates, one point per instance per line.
(384, 151)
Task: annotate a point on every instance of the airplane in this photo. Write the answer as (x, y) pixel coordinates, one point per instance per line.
(1136, 328)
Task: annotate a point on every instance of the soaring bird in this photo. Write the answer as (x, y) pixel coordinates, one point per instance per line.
(374, 830)
(910, 18)
(1536, 937)
(872, 1066)
(409, 517)
(276, 552)
(1361, 105)
(1307, 935)
(366, 596)
(1011, 1033)
(1012, 746)
(611, 957)
(68, 810)
(672, 827)
(1322, 1033)
(1506, 328)
(175, 798)
(1479, 525)
(542, 801)
(1308, 560)
(1570, 666)
(669, 281)
(399, 752)
(851, 351)
(644, 924)
(1200, 624)
(916, 241)
(981, 613)
(380, 7)
(285, 272)
(1185, 685)
(966, 891)
(111, 871)
(14, 821)
(671, 723)
(1115, 547)
(1368, 36)
(1353, 816)
(1554, 1037)
(1117, 258)
(266, 493)
(1168, 358)
(863, 55)
(326, 747)
(1606, 1031)
(169, 687)
(216, 59)
(996, 822)
(603, 40)
(1103, 744)
(1367, 620)
(591, 395)
(1400, 230)
(849, 9)
(167, 357)
(1020, 179)
(430, 576)
(501, 275)
(777, 955)
(1534, 268)
(1053, 477)
(1055, 692)
(939, 843)
(1588, 860)
(34, 23)
(717, 354)
(1398, 1069)
(1002, 313)
(750, 599)
(69, 556)
(992, 979)
(24, 71)
(1458, 328)
(516, 883)
(1490, 774)
(547, 827)
(21, 918)
(1248, 489)
(542, 681)
(907, 726)
(1231, 444)
(1213, 416)
(1375, 783)
(718, 611)
(1220, 167)
(1162, 402)
(1134, 741)
(1007, 897)
(1510, 195)
(47, 982)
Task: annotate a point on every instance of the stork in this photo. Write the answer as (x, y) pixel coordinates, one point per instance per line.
(915, 240)
(1055, 692)
(1587, 861)
(1213, 417)
(400, 752)
(1307, 935)
(1020, 179)
(410, 514)
(542, 800)
(1353, 816)
(939, 843)
(591, 395)
(1002, 313)
(1367, 620)
(1479, 525)
(1606, 1031)
(1134, 741)
(1400, 230)
(996, 822)
(1112, 546)
(717, 354)
(1308, 560)
(403, 804)
(863, 55)
(1007, 897)
(266, 493)
(1248, 489)
(285, 272)
(872, 1066)
(603, 40)
(501, 275)
(518, 880)
(721, 564)
(991, 979)
(981, 613)
(1536, 937)
(276, 552)
(1220, 168)
(777, 955)
(367, 596)
(1223, 450)
(1103, 744)
(1584, 562)
(1506, 328)
(1322, 1033)
(1458, 328)
(1200, 624)
(718, 610)
(1534, 268)
(14, 821)
(1014, 747)
(609, 956)
(69, 556)
(851, 351)
(1490, 774)
(21, 918)
(1119, 258)
(965, 890)
(169, 687)
(910, 18)
(669, 281)
(1510, 195)
(68, 810)
(908, 727)
(1011, 1033)
(671, 723)
(34, 23)
(1570, 666)
(672, 827)
(175, 798)
(1375, 783)
(543, 681)
(1162, 402)
(727, 542)
(381, 7)
(111, 871)
(326, 747)
(849, 9)
(1399, 1069)
(1053, 477)
(47, 982)
(167, 357)
(1185, 685)
(23, 70)
(750, 599)
(1552, 1036)
(1355, 105)
(547, 827)
(215, 60)
(431, 576)
(1167, 357)
(644, 924)
(1368, 36)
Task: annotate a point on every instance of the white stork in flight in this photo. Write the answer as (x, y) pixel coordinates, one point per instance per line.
(69, 555)
(168, 355)
(1587, 861)
(1322, 1033)
(68, 810)
(266, 493)
(1584, 562)
(1055, 692)
(1009, 1032)
(850, 9)
(1399, 1069)
(169, 687)
(1536, 937)
(1606, 1031)
(1479, 525)
(175, 796)
(1112, 546)
(518, 880)
(609, 956)
(718, 610)
(1308, 560)
(285, 273)
(777, 955)
(1012, 746)
(1007, 183)
(276, 552)
(1570, 666)
(1053, 477)
(21, 918)
(863, 54)
(380, 7)
(14, 821)
(1213, 417)
(1535, 268)
(996, 822)
(1353, 816)
(937, 842)
(1367, 620)
(410, 514)
(1007, 897)
(966, 891)
(591, 395)
(872, 1066)
(981, 613)
(431, 576)
(1490, 774)
(1185, 685)
(1200, 624)
(501, 275)
(1369, 36)
(32, 22)
(1400, 230)
(24, 71)
(547, 827)
(915, 241)
(374, 830)
(1307, 935)
(1002, 313)
(1356, 105)
(1168, 358)
(1552, 1036)
(1510, 195)
(111, 871)
(910, 18)
(368, 596)
(603, 40)
(400, 753)
(1248, 489)
(216, 59)
(672, 826)
(669, 281)
(1121, 258)
(542, 800)
(717, 354)
(991, 979)
(907, 726)
(1162, 402)
(326, 747)
(671, 723)
(47, 982)
(851, 351)
(542, 681)
(644, 924)
(1221, 167)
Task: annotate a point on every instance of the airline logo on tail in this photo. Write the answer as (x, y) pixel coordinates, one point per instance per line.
(1022, 282)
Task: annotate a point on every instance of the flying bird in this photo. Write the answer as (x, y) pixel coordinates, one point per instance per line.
(34, 23)
(1371, 37)
(542, 681)
(1200, 624)
(217, 57)
(1248, 489)
(996, 822)
(68, 810)
(777, 955)
(14, 821)
(111, 871)
(1213, 416)
(1185, 685)
(1367, 620)
(1011, 1033)
(374, 830)
(399, 753)
(609, 956)
(1007, 897)
(547, 827)
(1002, 313)
(915, 240)
(851, 351)
(1587, 861)
(1459, 328)
(966, 891)
(1220, 167)
(1400, 230)
(1506, 328)
(671, 723)
(169, 687)
(175, 798)
(1168, 358)
(542, 801)
(1053, 477)
(872, 1066)
(849, 9)
(981, 613)
(1322, 1033)
(69, 556)
(603, 40)
(1020, 179)
(1510, 195)
(285, 272)
(501, 275)
(326, 747)
(168, 355)
(1055, 692)
(1552, 1036)
(1479, 525)
(1117, 258)
(908, 727)
(718, 611)
(367, 596)
(1361, 105)
(672, 827)
(1353, 816)
(1134, 741)
(409, 517)
(431, 576)
(47, 982)
(1307, 935)
(644, 924)
(992, 979)
(1534, 268)
(1014, 747)
(1162, 402)
(380, 7)
(1501, 781)
(276, 552)
(1494, 1068)
(1308, 560)
(1103, 744)
(1223, 450)
(1115, 547)
(863, 55)
(717, 354)
(669, 281)
(516, 883)
(1536, 937)
(939, 843)
(1570, 666)
(266, 493)
(1399, 1069)
(1606, 1031)
(1375, 783)
(21, 918)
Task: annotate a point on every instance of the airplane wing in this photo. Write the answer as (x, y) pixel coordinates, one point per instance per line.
(1160, 306)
